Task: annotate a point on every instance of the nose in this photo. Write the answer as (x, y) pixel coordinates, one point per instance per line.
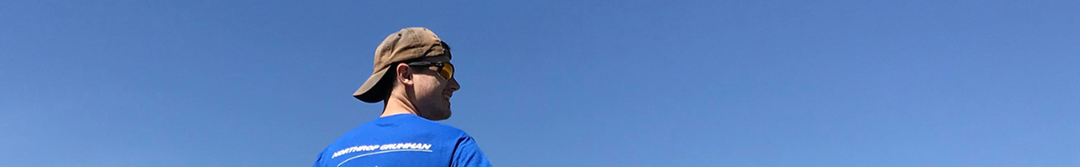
(454, 86)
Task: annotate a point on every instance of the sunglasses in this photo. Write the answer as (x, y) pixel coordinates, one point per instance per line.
(446, 70)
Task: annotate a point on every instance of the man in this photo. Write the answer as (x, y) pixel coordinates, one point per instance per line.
(415, 80)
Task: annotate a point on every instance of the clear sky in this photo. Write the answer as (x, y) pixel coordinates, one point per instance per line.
(551, 83)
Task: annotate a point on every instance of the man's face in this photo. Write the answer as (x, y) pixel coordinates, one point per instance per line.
(433, 91)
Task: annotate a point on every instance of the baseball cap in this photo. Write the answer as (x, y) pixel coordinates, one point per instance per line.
(407, 44)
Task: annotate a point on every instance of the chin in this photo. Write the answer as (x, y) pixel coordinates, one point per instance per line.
(438, 115)
(444, 113)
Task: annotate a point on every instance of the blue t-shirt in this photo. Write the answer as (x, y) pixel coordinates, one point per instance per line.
(403, 140)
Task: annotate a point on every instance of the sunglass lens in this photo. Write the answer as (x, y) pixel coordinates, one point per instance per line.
(447, 71)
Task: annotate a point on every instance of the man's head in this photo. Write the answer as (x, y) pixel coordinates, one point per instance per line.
(412, 67)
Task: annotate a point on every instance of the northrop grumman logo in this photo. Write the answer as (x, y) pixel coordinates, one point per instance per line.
(384, 147)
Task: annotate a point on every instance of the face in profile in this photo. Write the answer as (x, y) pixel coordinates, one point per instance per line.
(433, 90)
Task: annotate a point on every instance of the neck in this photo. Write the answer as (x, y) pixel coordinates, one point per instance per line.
(398, 105)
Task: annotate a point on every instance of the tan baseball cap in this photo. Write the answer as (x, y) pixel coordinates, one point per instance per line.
(407, 44)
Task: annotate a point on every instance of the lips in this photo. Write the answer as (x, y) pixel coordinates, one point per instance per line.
(447, 96)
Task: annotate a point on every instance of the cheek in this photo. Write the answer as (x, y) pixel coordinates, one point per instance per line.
(433, 84)
(430, 88)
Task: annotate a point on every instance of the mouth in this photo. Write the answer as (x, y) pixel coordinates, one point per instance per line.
(447, 96)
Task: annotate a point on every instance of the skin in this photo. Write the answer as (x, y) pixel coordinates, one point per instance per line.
(421, 91)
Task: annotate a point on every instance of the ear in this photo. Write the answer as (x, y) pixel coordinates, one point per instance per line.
(403, 74)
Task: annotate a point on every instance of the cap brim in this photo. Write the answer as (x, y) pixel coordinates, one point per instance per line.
(372, 91)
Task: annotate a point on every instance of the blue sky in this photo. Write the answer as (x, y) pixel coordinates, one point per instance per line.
(555, 83)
